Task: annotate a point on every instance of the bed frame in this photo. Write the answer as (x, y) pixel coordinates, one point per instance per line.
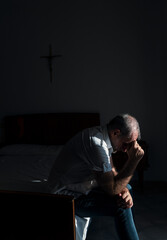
(41, 216)
(38, 216)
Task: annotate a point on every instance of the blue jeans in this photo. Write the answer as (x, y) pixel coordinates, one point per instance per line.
(97, 203)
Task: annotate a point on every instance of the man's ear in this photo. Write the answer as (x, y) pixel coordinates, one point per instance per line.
(116, 132)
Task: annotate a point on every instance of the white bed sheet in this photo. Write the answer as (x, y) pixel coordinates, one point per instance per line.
(25, 167)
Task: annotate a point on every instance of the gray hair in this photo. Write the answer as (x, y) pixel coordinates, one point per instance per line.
(126, 124)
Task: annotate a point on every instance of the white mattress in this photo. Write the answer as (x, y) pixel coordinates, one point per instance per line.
(26, 167)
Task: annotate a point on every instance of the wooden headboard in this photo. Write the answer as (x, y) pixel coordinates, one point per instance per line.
(47, 128)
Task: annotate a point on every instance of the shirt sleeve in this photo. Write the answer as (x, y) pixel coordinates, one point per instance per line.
(99, 155)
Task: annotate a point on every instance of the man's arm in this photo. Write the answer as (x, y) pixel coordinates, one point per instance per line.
(113, 183)
(113, 167)
(124, 198)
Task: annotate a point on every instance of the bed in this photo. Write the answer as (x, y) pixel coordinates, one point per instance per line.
(31, 144)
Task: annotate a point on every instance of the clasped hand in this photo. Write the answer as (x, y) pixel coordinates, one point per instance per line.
(124, 199)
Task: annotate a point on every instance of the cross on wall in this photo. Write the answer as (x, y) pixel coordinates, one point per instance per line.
(50, 58)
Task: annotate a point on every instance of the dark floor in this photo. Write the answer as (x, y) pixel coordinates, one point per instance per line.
(150, 208)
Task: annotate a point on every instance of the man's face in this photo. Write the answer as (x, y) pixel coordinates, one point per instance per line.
(122, 143)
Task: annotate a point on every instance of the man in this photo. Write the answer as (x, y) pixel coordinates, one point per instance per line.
(85, 170)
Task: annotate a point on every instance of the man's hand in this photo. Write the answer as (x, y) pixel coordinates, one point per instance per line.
(135, 152)
(125, 199)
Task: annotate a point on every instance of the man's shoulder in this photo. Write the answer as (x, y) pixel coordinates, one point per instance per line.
(95, 130)
(97, 135)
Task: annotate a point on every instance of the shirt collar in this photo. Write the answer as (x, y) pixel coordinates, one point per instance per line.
(106, 137)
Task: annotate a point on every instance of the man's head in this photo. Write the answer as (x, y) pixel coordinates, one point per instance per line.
(123, 130)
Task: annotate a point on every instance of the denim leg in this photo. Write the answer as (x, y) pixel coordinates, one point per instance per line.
(125, 225)
(98, 203)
